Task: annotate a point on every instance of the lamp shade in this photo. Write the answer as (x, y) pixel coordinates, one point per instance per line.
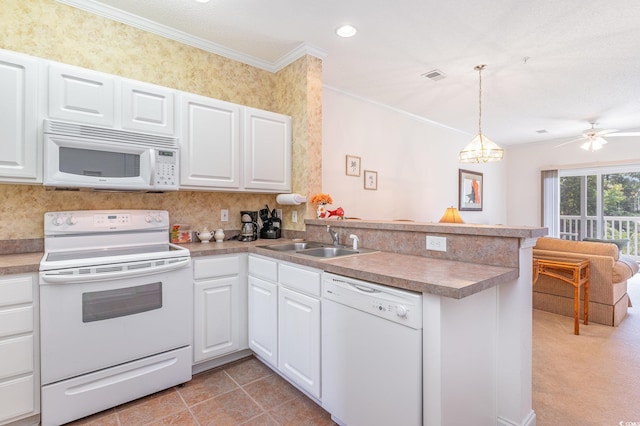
(451, 215)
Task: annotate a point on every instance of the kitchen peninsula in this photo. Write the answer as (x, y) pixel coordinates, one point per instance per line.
(476, 301)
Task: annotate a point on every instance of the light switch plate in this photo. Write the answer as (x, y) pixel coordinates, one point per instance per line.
(224, 215)
(436, 243)
(294, 216)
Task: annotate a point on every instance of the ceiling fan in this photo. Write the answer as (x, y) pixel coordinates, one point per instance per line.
(593, 138)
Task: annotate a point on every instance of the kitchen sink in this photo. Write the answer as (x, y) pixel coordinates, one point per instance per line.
(328, 251)
(317, 250)
(332, 251)
(294, 246)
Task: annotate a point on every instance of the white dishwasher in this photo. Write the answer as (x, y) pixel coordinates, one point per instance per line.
(371, 353)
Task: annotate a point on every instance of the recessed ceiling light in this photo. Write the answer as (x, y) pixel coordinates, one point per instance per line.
(346, 31)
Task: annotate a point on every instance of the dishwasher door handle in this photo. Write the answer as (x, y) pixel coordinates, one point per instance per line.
(365, 289)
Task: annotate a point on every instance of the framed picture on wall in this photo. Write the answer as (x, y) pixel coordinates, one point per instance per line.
(353, 165)
(470, 192)
(370, 180)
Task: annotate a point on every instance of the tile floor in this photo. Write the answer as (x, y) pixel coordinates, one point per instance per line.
(245, 392)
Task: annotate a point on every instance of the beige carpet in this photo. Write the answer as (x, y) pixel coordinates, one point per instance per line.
(590, 379)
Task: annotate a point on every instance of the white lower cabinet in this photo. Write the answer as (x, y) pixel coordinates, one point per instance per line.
(220, 306)
(299, 343)
(263, 308)
(284, 319)
(263, 319)
(19, 349)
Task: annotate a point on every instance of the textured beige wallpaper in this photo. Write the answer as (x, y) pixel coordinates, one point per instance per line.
(58, 32)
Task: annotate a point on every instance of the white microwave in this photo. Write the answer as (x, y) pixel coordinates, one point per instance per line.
(83, 156)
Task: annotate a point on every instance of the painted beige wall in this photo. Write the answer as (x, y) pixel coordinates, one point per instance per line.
(46, 29)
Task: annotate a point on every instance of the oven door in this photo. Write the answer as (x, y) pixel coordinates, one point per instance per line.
(94, 318)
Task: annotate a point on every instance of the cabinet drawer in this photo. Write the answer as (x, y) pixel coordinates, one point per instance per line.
(16, 320)
(263, 268)
(301, 279)
(216, 267)
(15, 291)
(16, 356)
(17, 397)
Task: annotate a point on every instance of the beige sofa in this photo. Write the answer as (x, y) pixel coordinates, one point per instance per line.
(608, 298)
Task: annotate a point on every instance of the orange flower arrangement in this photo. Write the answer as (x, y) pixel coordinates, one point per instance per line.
(322, 199)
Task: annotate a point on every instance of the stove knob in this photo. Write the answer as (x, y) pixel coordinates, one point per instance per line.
(401, 311)
(71, 220)
(157, 218)
(58, 220)
(148, 218)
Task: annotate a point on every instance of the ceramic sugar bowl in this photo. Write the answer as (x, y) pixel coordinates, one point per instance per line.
(205, 235)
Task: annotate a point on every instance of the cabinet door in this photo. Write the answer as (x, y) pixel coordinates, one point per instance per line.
(209, 143)
(147, 108)
(21, 159)
(267, 151)
(263, 319)
(216, 307)
(299, 339)
(81, 95)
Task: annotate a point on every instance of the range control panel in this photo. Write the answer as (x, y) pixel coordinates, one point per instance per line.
(88, 221)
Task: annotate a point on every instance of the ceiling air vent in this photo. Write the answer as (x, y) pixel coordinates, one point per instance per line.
(434, 75)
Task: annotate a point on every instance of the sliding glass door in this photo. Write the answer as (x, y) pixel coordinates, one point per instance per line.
(601, 203)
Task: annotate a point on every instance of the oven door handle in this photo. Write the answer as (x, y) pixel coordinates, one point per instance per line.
(104, 276)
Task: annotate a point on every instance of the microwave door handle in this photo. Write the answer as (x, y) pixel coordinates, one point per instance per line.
(73, 279)
(152, 161)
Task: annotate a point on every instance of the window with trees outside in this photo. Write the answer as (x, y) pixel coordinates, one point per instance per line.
(602, 203)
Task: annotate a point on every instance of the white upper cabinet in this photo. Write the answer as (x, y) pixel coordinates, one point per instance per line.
(209, 143)
(81, 95)
(21, 157)
(227, 146)
(147, 107)
(267, 150)
(91, 97)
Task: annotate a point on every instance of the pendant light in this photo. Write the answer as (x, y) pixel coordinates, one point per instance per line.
(481, 149)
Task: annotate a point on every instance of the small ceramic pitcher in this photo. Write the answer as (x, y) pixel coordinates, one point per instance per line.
(219, 235)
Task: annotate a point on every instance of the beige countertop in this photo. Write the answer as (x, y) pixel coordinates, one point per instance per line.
(447, 278)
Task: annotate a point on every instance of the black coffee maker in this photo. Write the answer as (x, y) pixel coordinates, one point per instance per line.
(270, 224)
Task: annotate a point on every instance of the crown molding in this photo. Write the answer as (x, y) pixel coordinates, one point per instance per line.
(190, 40)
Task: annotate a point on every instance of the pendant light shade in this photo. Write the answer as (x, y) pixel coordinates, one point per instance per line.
(481, 149)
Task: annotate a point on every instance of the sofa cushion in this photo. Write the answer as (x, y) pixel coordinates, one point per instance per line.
(622, 243)
(569, 246)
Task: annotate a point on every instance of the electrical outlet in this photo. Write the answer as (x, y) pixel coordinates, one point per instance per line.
(436, 243)
(224, 215)
(279, 213)
(294, 216)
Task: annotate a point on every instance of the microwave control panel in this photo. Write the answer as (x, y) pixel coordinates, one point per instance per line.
(166, 168)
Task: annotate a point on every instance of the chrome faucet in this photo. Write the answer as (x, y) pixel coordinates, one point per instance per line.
(334, 235)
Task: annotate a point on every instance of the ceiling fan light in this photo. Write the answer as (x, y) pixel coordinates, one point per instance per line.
(481, 149)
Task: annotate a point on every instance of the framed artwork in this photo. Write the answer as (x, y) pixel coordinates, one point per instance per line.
(470, 192)
(370, 180)
(353, 165)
